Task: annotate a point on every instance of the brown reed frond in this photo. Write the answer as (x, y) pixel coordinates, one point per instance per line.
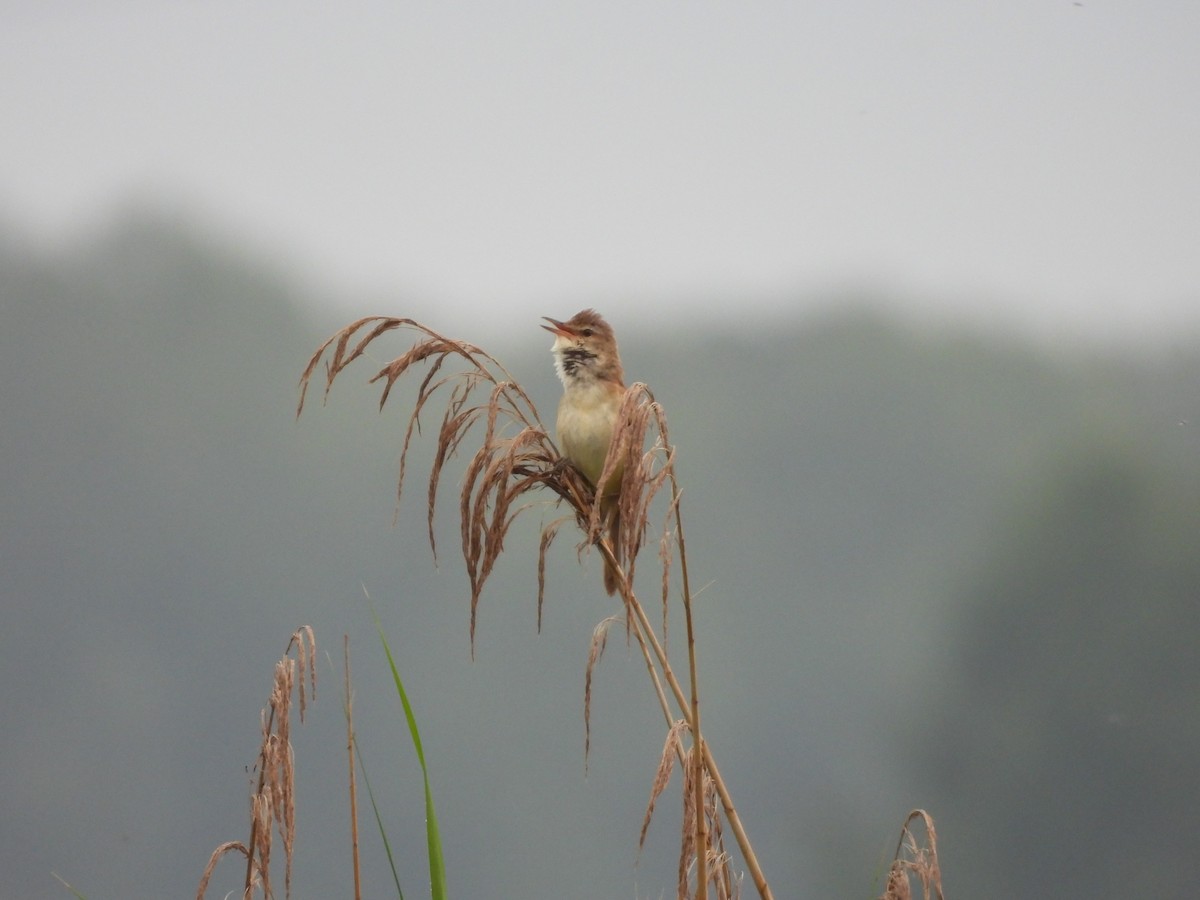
(514, 453)
(672, 750)
(915, 860)
(666, 556)
(646, 470)
(508, 398)
(217, 856)
(273, 803)
(595, 651)
(717, 870)
(513, 456)
(549, 533)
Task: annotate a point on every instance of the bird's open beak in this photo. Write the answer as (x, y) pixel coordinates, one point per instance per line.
(557, 327)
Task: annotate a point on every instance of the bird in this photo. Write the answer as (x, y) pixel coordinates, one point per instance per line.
(589, 365)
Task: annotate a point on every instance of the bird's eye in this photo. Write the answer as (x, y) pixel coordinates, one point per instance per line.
(587, 332)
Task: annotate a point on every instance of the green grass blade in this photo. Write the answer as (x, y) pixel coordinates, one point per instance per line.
(387, 847)
(68, 887)
(437, 867)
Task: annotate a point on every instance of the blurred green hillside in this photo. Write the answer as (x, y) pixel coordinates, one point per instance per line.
(944, 570)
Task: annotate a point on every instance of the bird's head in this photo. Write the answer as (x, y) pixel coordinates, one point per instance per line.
(584, 349)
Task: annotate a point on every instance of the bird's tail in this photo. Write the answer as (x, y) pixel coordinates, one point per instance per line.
(614, 536)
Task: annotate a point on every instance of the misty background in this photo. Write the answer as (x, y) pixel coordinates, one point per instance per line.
(917, 287)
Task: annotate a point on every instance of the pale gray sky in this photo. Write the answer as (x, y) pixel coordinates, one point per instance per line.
(510, 159)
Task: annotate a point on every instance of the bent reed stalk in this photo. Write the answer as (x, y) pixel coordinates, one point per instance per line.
(516, 456)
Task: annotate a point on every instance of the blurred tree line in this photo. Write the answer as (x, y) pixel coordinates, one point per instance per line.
(953, 571)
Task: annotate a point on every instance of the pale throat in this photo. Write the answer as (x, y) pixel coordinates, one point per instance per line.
(586, 415)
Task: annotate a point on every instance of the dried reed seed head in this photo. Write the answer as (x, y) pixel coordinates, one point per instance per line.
(503, 468)
(914, 859)
(216, 857)
(595, 652)
(672, 750)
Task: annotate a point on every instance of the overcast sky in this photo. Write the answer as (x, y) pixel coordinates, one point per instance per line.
(509, 159)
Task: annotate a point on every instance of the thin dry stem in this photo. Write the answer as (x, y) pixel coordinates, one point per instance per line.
(702, 820)
(707, 843)
(349, 704)
(644, 628)
(651, 668)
